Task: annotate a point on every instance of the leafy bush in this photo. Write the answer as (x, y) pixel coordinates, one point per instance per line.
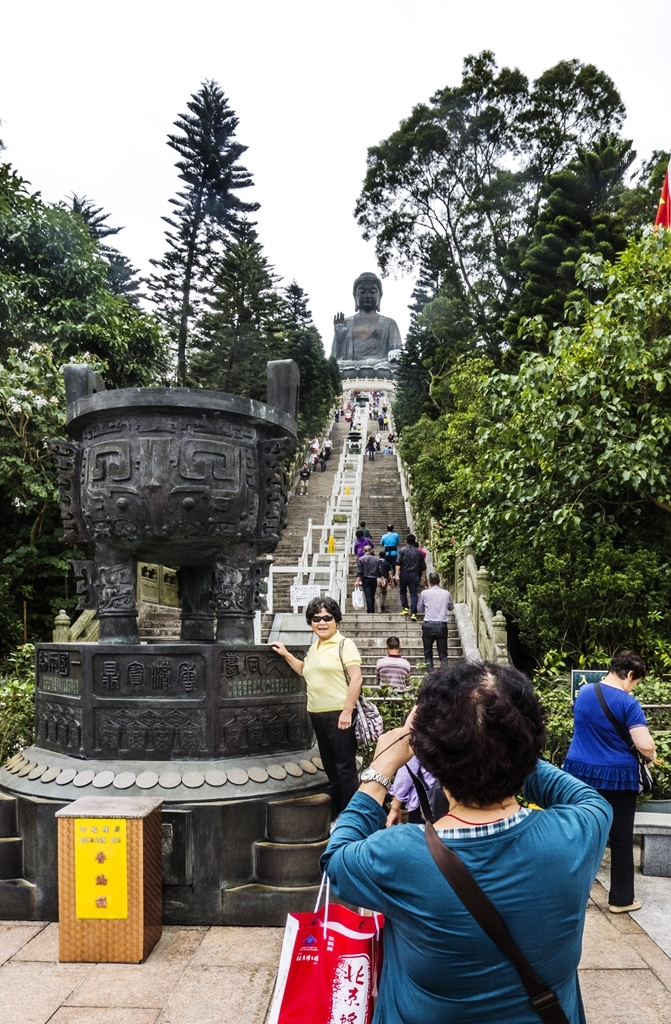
(17, 702)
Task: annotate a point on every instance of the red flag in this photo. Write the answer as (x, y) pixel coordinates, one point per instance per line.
(663, 218)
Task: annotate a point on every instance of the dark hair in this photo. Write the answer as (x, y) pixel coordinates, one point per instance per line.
(626, 662)
(359, 534)
(390, 526)
(410, 539)
(479, 729)
(393, 642)
(383, 553)
(434, 578)
(328, 604)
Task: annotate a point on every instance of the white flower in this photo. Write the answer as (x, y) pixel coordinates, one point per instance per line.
(39, 402)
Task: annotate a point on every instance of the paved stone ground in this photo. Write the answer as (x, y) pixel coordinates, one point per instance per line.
(226, 976)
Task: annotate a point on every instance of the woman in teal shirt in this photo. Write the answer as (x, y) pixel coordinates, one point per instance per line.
(479, 729)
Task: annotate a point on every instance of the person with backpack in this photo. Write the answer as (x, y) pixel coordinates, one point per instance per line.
(384, 575)
(390, 541)
(410, 567)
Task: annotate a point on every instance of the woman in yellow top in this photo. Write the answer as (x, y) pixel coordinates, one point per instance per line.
(330, 699)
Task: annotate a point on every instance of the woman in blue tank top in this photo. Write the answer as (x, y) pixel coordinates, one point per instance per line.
(599, 756)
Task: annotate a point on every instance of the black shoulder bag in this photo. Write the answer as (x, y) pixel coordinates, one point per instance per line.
(543, 999)
(644, 776)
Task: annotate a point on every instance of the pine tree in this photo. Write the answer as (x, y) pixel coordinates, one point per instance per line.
(243, 328)
(206, 210)
(580, 215)
(122, 277)
(320, 377)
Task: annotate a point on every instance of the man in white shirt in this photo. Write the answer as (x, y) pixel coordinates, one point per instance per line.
(435, 603)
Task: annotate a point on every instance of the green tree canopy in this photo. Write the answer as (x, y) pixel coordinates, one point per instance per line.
(54, 290)
(122, 277)
(457, 188)
(560, 473)
(207, 209)
(580, 216)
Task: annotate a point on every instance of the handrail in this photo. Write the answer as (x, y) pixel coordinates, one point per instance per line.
(471, 590)
(324, 568)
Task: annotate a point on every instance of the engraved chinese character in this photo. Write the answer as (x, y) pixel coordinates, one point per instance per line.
(187, 676)
(63, 663)
(43, 662)
(253, 663)
(231, 664)
(117, 828)
(105, 828)
(109, 680)
(94, 828)
(82, 828)
(100, 857)
(135, 675)
(101, 902)
(160, 675)
(101, 880)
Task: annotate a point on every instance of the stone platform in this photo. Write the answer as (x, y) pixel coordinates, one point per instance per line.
(226, 976)
(221, 735)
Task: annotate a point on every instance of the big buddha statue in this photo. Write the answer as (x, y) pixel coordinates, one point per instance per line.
(366, 344)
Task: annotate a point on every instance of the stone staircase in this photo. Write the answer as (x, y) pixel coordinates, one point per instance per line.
(287, 874)
(381, 503)
(18, 896)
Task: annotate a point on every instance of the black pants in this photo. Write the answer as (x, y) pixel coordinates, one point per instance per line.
(434, 631)
(621, 839)
(369, 584)
(409, 581)
(391, 562)
(337, 749)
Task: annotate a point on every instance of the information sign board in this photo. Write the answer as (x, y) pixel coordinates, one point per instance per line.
(581, 676)
(101, 868)
(301, 595)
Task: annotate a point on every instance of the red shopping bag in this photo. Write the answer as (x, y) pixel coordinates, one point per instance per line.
(329, 967)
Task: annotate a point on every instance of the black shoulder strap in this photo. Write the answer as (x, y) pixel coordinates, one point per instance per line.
(543, 999)
(342, 660)
(619, 728)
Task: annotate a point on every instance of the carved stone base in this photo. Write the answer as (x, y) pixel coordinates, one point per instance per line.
(166, 702)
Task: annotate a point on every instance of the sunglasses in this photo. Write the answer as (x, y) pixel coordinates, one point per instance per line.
(322, 618)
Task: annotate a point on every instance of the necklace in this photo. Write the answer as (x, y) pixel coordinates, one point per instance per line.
(474, 823)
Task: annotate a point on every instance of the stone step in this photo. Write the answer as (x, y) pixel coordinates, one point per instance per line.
(7, 816)
(11, 857)
(304, 819)
(18, 900)
(288, 864)
(265, 905)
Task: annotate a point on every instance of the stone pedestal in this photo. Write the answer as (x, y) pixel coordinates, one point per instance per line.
(219, 734)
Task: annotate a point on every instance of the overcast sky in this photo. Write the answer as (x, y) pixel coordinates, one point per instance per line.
(89, 91)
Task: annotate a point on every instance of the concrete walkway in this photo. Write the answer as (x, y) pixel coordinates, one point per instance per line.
(226, 976)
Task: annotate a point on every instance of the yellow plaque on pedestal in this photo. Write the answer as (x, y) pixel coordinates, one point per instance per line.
(101, 868)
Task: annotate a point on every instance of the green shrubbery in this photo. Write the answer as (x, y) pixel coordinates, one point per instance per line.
(17, 701)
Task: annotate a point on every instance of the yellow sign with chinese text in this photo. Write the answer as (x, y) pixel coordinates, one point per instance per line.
(101, 868)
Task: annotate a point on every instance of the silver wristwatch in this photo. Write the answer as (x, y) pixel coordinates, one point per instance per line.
(370, 775)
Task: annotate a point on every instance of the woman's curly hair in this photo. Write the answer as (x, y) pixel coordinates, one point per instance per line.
(479, 728)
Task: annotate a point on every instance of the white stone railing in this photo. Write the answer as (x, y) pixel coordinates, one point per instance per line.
(483, 633)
